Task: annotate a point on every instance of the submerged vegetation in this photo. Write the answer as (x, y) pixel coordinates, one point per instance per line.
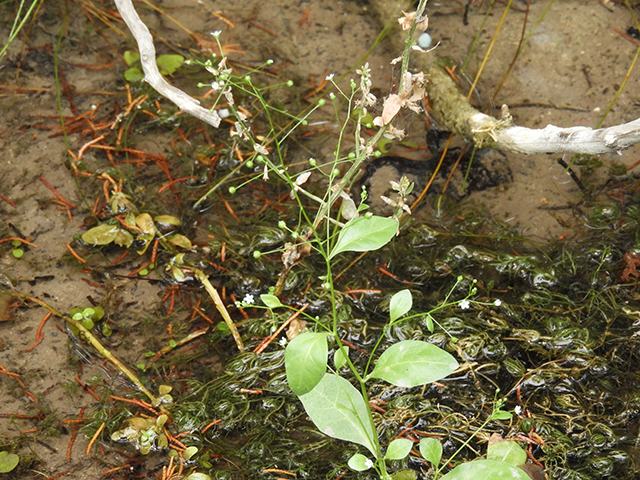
(443, 344)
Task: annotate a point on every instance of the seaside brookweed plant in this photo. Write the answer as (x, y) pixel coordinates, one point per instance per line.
(338, 408)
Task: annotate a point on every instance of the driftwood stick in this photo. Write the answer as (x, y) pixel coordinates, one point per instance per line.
(151, 73)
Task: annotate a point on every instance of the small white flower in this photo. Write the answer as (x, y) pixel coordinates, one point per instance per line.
(329, 77)
(283, 341)
(518, 410)
(248, 299)
(464, 304)
(216, 34)
(498, 302)
(368, 463)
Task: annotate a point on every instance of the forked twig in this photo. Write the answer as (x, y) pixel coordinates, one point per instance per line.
(151, 73)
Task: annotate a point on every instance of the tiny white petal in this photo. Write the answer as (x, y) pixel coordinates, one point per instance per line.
(464, 304)
(498, 302)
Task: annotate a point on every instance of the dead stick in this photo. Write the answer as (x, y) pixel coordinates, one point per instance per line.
(215, 296)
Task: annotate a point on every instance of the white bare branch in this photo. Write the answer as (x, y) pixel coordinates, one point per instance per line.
(552, 139)
(151, 73)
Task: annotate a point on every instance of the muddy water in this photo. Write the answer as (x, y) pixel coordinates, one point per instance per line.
(569, 342)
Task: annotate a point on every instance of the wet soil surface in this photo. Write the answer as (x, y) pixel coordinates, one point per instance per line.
(568, 74)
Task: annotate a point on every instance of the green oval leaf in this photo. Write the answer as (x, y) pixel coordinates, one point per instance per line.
(189, 452)
(365, 233)
(101, 235)
(146, 224)
(123, 239)
(359, 463)
(180, 241)
(8, 461)
(398, 449)
(431, 450)
(486, 470)
(339, 411)
(400, 303)
(305, 360)
(404, 475)
(199, 476)
(133, 74)
(169, 63)
(411, 363)
(168, 220)
(271, 301)
(506, 451)
(131, 57)
(339, 358)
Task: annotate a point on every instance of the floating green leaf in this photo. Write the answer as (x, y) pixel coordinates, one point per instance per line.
(169, 63)
(8, 461)
(486, 470)
(339, 411)
(400, 303)
(123, 238)
(180, 241)
(359, 463)
(168, 220)
(365, 233)
(189, 452)
(431, 450)
(411, 363)
(146, 224)
(131, 57)
(305, 361)
(398, 449)
(101, 235)
(506, 451)
(133, 74)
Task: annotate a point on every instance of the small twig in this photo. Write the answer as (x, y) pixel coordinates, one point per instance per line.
(215, 296)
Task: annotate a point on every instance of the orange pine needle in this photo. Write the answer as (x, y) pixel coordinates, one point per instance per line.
(94, 438)
(264, 29)
(277, 470)
(73, 252)
(21, 240)
(138, 270)
(88, 144)
(265, 343)
(39, 334)
(75, 433)
(9, 201)
(215, 422)
(57, 194)
(116, 469)
(173, 182)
